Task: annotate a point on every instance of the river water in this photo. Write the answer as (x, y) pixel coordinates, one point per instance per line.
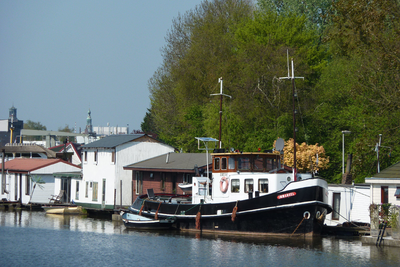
(36, 239)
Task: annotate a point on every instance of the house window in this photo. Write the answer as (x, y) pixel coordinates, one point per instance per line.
(85, 155)
(113, 157)
(77, 191)
(27, 185)
(87, 190)
(235, 185)
(95, 156)
(187, 178)
(223, 164)
(263, 185)
(216, 164)
(138, 182)
(248, 185)
(336, 206)
(384, 194)
(397, 193)
(104, 191)
(95, 191)
(162, 183)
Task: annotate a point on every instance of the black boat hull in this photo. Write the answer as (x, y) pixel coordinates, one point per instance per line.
(296, 212)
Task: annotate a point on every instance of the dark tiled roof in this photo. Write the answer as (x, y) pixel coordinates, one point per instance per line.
(113, 140)
(390, 172)
(176, 161)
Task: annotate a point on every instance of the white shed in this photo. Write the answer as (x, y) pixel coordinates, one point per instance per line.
(350, 203)
(31, 180)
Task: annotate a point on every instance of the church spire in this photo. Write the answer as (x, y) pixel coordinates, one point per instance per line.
(89, 126)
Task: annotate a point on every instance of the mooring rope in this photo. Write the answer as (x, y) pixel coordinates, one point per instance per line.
(298, 226)
(156, 215)
(198, 216)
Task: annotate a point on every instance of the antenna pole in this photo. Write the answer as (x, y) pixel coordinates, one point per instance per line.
(294, 112)
(220, 111)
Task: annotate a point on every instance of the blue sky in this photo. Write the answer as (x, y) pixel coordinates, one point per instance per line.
(60, 58)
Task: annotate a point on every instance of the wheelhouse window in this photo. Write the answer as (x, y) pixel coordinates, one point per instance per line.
(216, 163)
(235, 185)
(258, 164)
(223, 164)
(231, 163)
(244, 163)
(263, 185)
(336, 206)
(270, 164)
(248, 185)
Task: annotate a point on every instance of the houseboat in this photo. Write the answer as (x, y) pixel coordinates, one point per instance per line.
(247, 193)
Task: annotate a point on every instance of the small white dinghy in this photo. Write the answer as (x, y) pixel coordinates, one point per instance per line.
(135, 221)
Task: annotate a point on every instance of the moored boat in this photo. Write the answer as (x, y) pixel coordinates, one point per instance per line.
(246, 193)
(135, 221)
(70, 210)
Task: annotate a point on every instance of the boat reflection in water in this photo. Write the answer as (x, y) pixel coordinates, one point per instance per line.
(102, 242)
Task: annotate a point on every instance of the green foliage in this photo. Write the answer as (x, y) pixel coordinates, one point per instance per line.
(66, 129)
(31, 125)
(351, 79)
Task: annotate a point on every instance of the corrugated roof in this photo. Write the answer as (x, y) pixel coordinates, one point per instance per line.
(113, 140)
(176, 161)
(390, 172)
(28, 164)
(23, 149)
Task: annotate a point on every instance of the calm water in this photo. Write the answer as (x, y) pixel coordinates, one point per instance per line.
(36, 239)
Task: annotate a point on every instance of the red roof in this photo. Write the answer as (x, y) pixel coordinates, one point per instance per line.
(29, 164)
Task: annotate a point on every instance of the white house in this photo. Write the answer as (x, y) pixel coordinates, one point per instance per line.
(72, 151)
(350, 203)
(105, 183)
(33, 179)
(385, 186)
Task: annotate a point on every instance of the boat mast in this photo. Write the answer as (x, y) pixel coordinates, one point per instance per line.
(294, 95)
(220, 110)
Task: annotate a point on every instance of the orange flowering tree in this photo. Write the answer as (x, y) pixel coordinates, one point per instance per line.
(306, 156)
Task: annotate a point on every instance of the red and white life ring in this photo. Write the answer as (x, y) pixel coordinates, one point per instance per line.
(224, 184)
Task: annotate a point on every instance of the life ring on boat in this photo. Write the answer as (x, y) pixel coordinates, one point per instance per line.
(306, 215)
(223, 184)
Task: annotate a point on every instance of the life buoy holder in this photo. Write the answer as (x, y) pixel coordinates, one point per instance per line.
(224, 184)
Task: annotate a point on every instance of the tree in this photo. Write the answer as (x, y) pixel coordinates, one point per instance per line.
(66, 129)
(306, 157)
(31, 125)
(34, 125)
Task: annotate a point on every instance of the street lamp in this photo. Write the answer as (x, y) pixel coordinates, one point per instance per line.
(343, 133)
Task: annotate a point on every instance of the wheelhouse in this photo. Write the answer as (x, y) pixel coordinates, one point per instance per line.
(245, 162)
